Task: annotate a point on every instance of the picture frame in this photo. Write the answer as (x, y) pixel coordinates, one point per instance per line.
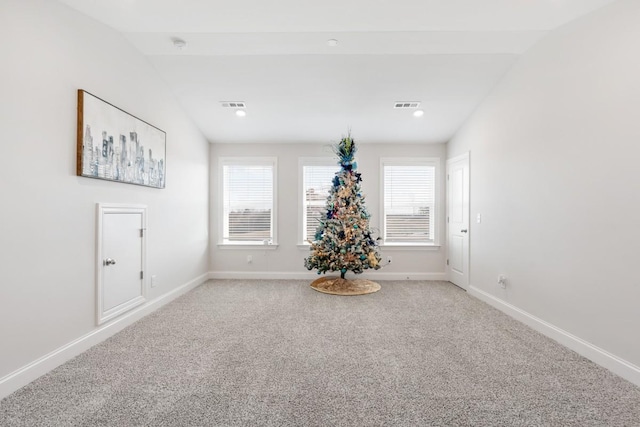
(114, 145)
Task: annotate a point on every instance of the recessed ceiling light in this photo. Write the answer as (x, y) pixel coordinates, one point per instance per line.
(241, 113)
(179, 43)
(418, 113)
(332, 42)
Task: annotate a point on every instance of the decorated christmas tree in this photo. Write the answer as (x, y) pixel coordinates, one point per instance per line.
(343, 240)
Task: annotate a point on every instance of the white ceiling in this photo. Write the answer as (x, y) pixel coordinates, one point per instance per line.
(448, 54)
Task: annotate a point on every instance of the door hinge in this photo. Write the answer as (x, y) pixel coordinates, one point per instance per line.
(142, 274)
(447, 220)
(447, 262)
(142, 232)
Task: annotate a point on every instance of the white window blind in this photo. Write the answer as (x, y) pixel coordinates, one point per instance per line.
(248, 202)
(317, 181)
(409, 202)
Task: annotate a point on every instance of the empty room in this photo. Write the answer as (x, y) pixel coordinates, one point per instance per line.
(339, 213)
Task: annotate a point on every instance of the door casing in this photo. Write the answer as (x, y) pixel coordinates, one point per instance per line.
(104, 313)
(458, 258)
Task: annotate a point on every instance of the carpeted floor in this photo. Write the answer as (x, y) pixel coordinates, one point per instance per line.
(277, 353)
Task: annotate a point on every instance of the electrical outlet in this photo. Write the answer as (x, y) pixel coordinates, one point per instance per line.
(154, 281)
(249, 259)
(389, 260)
(502, 281)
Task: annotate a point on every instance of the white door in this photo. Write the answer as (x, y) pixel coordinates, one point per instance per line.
(458, 220)
(121, 284)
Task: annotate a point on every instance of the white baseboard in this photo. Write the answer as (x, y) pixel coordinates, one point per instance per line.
(619, 366)
(48, 362)
(287, 275)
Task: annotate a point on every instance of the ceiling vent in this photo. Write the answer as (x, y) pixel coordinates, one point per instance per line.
(406, 104)
(233, 104)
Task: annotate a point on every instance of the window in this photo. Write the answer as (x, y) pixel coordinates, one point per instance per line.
(248, 196)
(409, 201)
(317, 177)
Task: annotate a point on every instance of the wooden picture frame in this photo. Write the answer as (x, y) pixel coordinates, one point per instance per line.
(116, 146)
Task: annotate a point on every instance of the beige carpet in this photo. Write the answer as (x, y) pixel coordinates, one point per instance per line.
(278, 353)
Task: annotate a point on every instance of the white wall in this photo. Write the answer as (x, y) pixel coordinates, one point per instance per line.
(554, 172)
(287, 259)
(47, 218)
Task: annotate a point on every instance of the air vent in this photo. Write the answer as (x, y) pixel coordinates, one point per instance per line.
(406, 104)
(233, 104)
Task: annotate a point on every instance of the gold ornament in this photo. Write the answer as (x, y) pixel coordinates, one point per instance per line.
(372, 259)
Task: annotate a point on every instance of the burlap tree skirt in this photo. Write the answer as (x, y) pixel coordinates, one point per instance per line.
(336, 286)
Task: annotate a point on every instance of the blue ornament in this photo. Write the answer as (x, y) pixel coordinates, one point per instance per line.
(362, 257)
(355, 225)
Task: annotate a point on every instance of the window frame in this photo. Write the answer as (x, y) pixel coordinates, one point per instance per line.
(302, 162)
(434, 162)
(248, 161)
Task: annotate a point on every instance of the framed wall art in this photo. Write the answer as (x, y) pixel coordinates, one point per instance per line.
(117, 146)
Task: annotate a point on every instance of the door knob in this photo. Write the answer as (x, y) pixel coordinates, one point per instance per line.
(462, 231)
(109, 261)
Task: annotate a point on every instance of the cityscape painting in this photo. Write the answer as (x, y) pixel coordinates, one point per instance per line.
(116, 146)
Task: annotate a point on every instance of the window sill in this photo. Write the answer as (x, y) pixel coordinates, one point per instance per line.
(392, 246)
(254, 246)
(409, 246)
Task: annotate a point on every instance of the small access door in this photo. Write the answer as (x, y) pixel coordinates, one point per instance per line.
(121, 250)
(458, 220)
